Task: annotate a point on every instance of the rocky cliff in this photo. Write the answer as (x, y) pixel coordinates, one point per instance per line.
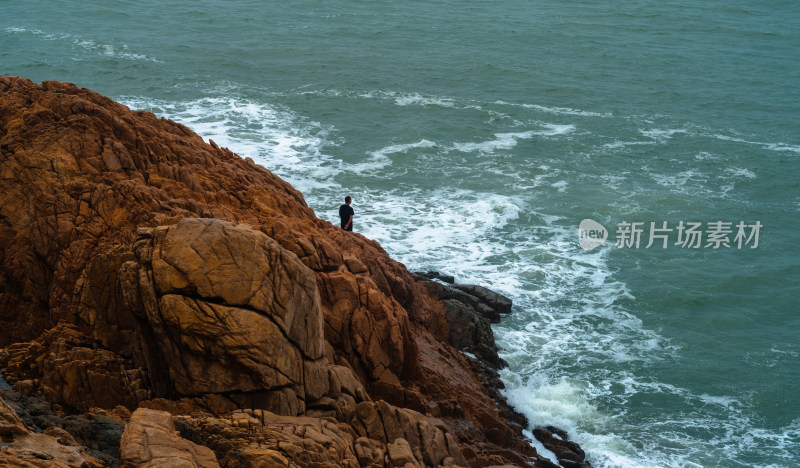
(189, 304)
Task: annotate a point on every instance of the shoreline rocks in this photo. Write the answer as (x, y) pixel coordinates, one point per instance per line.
(141, 267)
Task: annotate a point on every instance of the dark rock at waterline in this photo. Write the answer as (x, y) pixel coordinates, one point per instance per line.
(468, 310)
(488, 301)
(569, 454)
(436, 275)
(472, 332)
(466, 326)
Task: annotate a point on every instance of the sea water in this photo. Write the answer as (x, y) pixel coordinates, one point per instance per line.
(475, 136)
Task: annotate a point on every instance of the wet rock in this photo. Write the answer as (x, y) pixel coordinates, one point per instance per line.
(495, 302)
(436, 275)
(569, 454)
(462, 325)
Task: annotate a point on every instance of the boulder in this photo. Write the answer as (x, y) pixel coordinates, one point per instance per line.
(150, 440)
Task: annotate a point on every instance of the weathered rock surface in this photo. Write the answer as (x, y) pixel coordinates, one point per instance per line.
(143, 267)
(150, 440)
(376, 434)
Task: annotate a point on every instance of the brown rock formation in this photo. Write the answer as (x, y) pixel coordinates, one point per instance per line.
(140, 266)
(150, 439)
(376, 434)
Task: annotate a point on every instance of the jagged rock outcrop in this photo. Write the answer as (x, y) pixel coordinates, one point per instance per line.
(142, 267)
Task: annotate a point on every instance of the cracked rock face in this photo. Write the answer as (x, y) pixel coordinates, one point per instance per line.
(230, 310)
(150, 439)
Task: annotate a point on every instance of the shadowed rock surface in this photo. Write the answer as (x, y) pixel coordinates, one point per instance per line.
(141, 267)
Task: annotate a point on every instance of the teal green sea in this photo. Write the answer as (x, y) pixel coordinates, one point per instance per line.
(475, 136)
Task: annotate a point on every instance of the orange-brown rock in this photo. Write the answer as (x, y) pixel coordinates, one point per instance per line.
(64, 367)
(150, 440)
(377, 434)
(140, 265)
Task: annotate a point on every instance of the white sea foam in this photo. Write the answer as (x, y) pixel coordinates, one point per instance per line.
(420, 100)
(622, 144)
(442, 224)
(500, 142)
(505, 141)
(662, 135)
(740, 172)
(704, 155)
(540, 448)
(379, 159)
(772, 146)
(110, 50)
(561, 185)
(680, 180)
(556, 110)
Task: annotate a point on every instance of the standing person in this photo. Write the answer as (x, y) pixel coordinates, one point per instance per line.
(346, 214)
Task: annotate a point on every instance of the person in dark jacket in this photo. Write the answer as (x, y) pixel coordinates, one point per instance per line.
(346, 214)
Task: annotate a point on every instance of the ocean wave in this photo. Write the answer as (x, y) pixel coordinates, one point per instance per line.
(557, 110)
(772, 146)
(505, 141)
(662, 135)
(109, 50)
(501, 141)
